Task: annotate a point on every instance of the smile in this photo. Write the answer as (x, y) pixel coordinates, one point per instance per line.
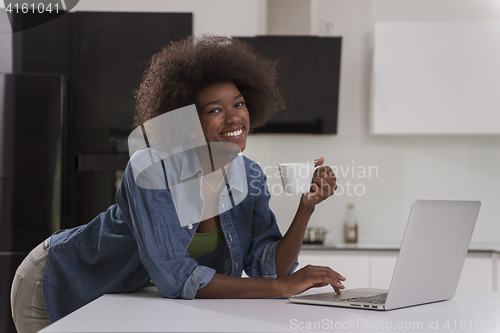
(234, 133)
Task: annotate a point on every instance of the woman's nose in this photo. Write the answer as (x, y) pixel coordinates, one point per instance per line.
(232, 116)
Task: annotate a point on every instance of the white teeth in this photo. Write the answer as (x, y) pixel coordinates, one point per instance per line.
(235, 133)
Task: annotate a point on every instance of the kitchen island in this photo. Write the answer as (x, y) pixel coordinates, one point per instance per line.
(146, 311)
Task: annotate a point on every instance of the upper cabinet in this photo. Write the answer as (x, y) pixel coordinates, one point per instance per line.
(309, 80)
(436, 78)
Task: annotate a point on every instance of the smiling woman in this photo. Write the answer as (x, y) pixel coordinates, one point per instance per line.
(142, 238)
(223, 114)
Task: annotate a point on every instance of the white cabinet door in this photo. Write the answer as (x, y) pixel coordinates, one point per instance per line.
(352, 266)
(477, 274)
(422, 85)
(382, 268)
(496, 286)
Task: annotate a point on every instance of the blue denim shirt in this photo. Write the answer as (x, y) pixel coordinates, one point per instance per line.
(140, 238)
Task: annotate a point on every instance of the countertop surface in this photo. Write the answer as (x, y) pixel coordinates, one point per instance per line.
(474, 247)
(146, 311)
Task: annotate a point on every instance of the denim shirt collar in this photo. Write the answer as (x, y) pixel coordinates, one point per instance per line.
(190, 165)
(235, 175)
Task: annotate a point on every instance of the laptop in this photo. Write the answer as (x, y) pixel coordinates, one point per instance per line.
(429, 264)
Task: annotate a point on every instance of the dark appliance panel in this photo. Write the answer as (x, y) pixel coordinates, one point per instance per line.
(30, 158)
(30, 171)
(309, 76)
(108, 55)
(42, 48)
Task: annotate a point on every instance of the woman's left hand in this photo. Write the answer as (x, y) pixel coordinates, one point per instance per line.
(323, 185)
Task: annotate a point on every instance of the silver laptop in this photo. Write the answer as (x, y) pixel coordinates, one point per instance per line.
(430, 260)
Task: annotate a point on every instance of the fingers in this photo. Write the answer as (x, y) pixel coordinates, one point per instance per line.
(319, 161)
(324, 182)
(322, 276)
(335, 280)
(324, 169)
(326, 173)
(325, 178)
(327, 188)
(311, 277)
(322, 192)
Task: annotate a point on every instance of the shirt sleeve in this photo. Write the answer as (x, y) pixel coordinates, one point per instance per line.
(260, 259)
(151, 215)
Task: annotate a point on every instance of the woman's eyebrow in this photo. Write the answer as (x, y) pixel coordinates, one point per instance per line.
(219, 100)
(213, 102)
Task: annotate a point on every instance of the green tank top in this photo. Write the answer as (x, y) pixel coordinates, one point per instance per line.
(203, 243)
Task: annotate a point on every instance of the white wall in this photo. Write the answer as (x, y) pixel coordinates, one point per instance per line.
(410, 167)
(227, 17)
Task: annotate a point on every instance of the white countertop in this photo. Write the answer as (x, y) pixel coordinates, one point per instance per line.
(146, 311)
(474, 247)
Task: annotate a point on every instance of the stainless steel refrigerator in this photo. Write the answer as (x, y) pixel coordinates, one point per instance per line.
(31, 112)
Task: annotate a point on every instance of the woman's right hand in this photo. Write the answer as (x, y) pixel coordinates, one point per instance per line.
(310, 277)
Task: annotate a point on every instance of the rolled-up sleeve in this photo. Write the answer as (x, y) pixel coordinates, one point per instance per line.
(198, 279)
(268, 262)
(151, 215)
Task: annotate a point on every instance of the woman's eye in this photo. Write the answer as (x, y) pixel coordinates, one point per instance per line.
(214, 111)
(240, 104)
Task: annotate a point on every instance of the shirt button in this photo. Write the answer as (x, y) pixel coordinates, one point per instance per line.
(190, 226)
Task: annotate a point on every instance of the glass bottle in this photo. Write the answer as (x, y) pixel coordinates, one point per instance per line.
(351, 225)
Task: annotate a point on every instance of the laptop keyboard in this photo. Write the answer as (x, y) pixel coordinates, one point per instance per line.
(376, 299)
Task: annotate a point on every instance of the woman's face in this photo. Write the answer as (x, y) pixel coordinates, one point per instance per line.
(223, 114)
